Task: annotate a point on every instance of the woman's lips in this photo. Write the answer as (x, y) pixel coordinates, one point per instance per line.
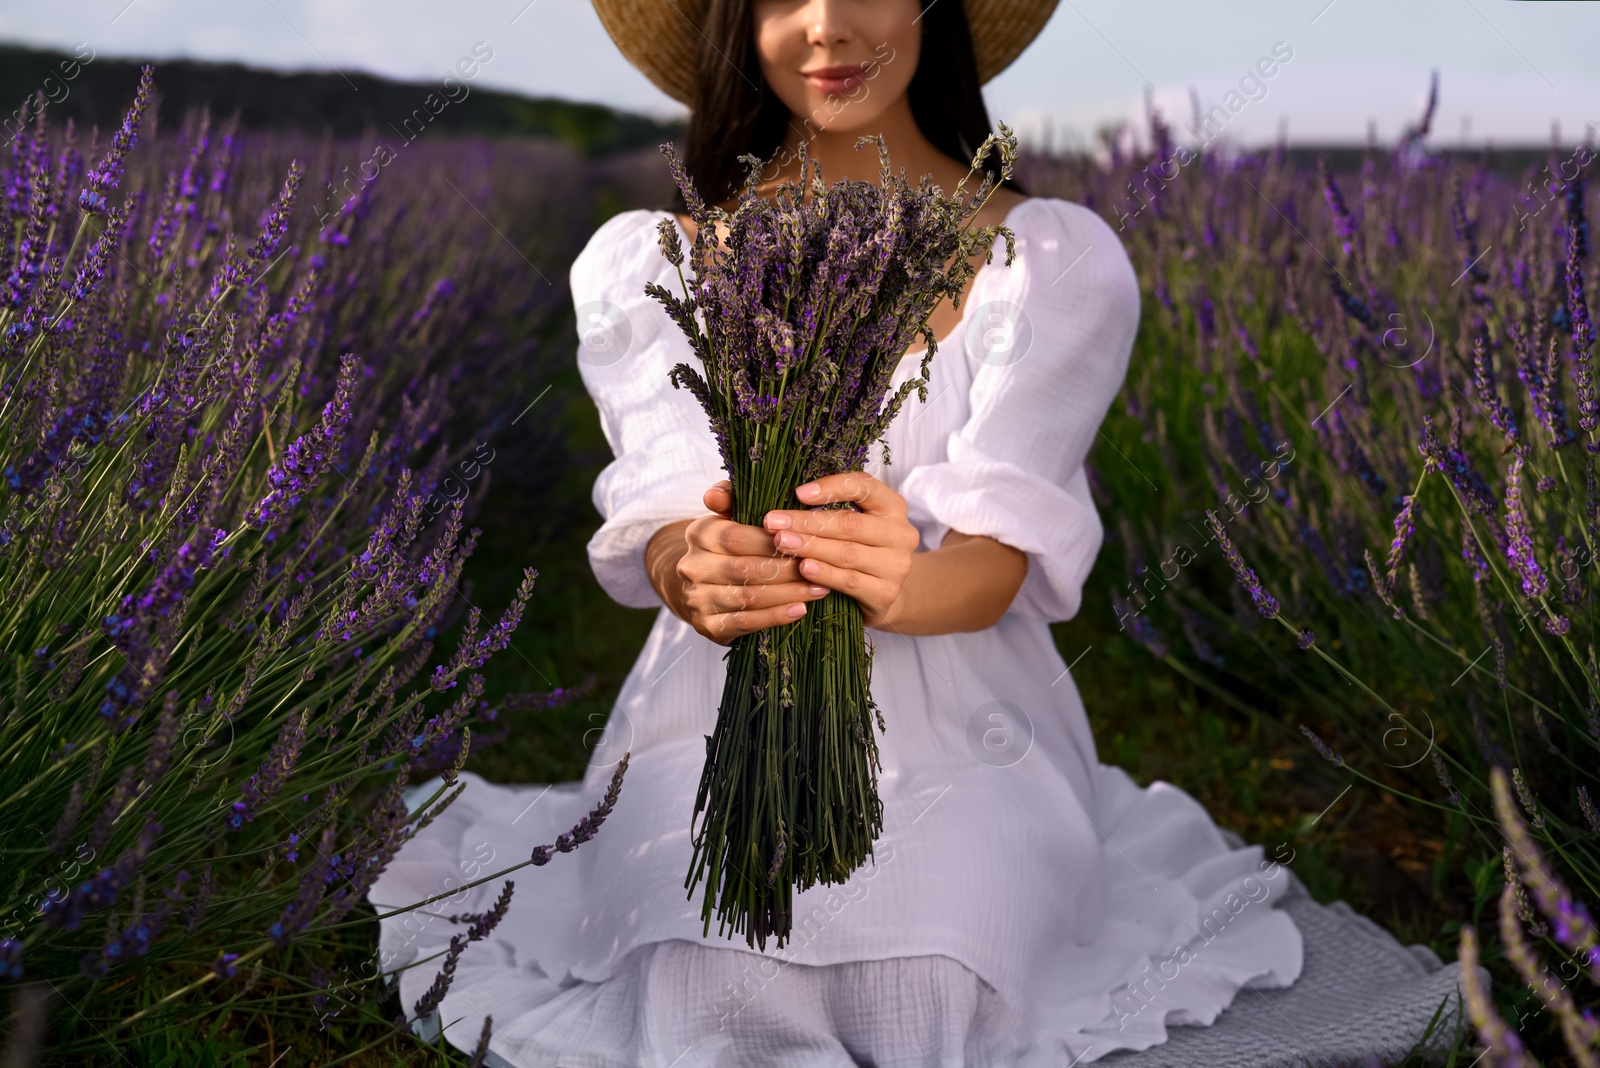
(836, 79)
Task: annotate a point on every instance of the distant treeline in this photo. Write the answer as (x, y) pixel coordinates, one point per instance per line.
(97, 89)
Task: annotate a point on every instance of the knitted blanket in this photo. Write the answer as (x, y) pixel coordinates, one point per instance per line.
(1362, 999)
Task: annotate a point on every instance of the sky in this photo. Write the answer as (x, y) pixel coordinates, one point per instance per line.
(1508, 69)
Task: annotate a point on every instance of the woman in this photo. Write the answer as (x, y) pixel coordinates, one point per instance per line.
(1025, 904)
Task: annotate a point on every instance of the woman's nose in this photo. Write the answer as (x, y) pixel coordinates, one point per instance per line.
(826, 21)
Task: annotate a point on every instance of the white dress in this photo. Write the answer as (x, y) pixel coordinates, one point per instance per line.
(1028, 905)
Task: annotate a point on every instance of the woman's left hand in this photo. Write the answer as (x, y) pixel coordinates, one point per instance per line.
(865, 554)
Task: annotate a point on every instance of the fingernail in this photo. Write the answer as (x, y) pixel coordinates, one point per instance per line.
(787, 540)
(809, 491)
(794, 611)
(817, 591)
(810, 567)
(777, 521)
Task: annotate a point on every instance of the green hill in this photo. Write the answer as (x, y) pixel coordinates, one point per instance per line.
(353, 105)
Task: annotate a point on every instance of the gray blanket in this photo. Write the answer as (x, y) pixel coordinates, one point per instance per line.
(1362, 999)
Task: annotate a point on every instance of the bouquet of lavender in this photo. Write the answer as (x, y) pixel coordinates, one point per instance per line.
(807, 313)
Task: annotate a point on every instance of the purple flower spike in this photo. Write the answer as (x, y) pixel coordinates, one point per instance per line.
(1404, 527)
(1265, 603)
(103, 178)
(1519, 549)
(10, 958)
(1322, 747)
(1453, 463)
(1492, 1030)
(270, 777)
(1570, 919)
(1483, 382)
(1442, 770)
(1344, 223)
(309, 458)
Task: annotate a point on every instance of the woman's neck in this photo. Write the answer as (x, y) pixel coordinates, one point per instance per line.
(910, 152)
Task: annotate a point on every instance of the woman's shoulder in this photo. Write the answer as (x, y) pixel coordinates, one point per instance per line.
(624, 250)
(1059, 221)
(1072, 255)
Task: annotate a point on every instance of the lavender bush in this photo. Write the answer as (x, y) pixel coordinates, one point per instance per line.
(1355, 487)
(227, 561)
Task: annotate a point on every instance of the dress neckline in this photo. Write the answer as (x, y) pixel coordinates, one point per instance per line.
(966, 307)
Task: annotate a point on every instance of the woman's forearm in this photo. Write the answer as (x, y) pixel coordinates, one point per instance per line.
(964, 585)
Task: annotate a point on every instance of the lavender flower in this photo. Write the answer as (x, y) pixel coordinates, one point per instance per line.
(1526, 797)
(144, 631)
(313, 883)
(585, 828)
(197, 906)
(103, 178)
(1322, 749)
(1582, 334)
(1570, 919)
(1140, 629)
(480, 929)
(429, 1002)
(778, 854)
(70, 814)
(1265, 603)
(1420, 593)
(269, 778)
(1579, 1031)
(1520, 543)
(1443, 771)
(140, 934)
(1457, 467)
(482, 1051)
(1404, 527)
(1518, 895)
(1483, 381)
(11, 958)
(1492, 1030)
(308, 459)
(1586, 806)
(1343, 222)
(68, 911)
(139, 422)
(1382, 586)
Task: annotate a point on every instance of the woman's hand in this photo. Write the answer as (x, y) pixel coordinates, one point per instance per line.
(734, 582)
(738, 579)
(865, 554)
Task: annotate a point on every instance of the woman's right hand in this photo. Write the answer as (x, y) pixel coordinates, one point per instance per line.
(735, 581)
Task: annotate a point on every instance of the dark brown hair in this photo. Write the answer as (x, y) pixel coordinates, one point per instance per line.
(735, 111)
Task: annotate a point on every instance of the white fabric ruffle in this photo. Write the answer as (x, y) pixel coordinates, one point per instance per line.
(1188, 922)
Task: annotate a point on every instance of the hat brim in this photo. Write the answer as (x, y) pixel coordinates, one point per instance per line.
(660, 37)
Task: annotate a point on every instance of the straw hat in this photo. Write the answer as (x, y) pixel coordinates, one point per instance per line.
(659, 36)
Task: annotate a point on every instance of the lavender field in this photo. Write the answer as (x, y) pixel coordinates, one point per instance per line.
(294, 477)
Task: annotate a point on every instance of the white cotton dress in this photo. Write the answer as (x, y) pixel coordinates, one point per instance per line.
(1027, 905)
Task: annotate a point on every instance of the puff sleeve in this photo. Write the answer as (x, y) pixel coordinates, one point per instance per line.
(1015, 470)
(666, 456)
